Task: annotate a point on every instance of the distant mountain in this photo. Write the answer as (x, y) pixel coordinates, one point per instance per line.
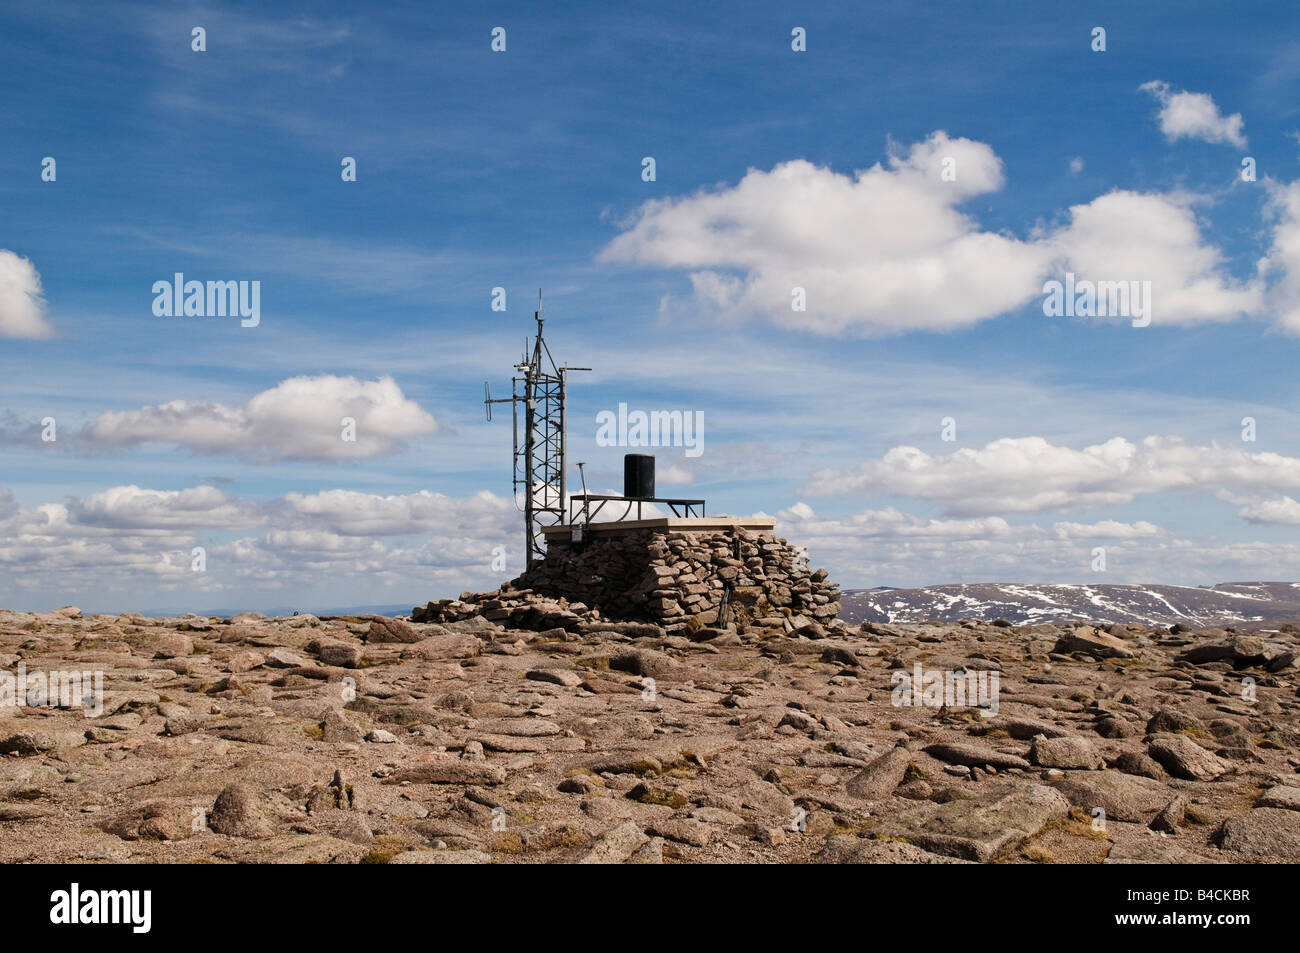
(1246, 605)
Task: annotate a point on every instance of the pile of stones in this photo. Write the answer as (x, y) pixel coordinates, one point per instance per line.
(676, 580)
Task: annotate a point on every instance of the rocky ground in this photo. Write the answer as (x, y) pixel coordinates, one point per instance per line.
(383, 741)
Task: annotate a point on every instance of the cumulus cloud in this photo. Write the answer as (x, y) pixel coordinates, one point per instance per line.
(1133, 236)
(350, 513)
(1107, 529)
(1029, 474)
(893, 524)
(43, 550)
(129, 538)
(342, 546)
(1281, 265)
(22, 305)
(1051, 560)
(887, 249)
(1185, 115)
(883, 250)
(886, 547)
(133, 508)
(1277, 512)
(298, 419)
(675, 474)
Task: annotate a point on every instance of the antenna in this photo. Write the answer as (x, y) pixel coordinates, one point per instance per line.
(540, 388)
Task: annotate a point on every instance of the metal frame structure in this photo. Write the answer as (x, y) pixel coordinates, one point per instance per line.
(585, 511)
(540, 458)
(539, 453)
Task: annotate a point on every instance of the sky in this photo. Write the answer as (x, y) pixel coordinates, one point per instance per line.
(829, 232)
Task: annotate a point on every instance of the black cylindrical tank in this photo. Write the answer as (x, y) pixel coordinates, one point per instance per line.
(639, 476)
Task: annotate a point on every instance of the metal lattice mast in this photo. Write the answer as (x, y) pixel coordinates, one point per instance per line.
(540, 456)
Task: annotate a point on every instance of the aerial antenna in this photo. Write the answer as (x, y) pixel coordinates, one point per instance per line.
(540, 389)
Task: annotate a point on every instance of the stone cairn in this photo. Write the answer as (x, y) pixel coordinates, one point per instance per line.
(668, 580)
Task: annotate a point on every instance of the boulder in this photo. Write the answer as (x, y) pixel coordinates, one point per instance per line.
(384, 629)
(979, 829)
(1184, 758)
(1124, 797)
(615, 846)
(1264, 834)
(451, 645)
(238, 812)
(1087, 640)
(882, 776)
(1071, 751)
(974, 756)
(1243, 651)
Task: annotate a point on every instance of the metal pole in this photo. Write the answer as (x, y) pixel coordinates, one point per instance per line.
(544, 428)
(528, 465)
(564, 440)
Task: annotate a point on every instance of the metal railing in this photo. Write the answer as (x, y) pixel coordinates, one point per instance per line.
(582, 511)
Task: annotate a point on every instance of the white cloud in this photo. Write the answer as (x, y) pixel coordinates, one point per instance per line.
(139, 540)
(883, 547)
(893, 524)
(41, 549)
(313, 549)
(132, 508)
(884, 250)
(1107, 529)
(1278, 512)
(1029, 474)
(1048, 560)
(1282, 263)
(675, 474)
(797, 512)
(1185, 115)
(331, 548)
(1076, 165)
(298, 419)
(887, 250)
(350, 513)
(1132, 236)
(22, 307)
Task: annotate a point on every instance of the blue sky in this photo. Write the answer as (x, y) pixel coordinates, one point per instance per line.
(523, 168)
